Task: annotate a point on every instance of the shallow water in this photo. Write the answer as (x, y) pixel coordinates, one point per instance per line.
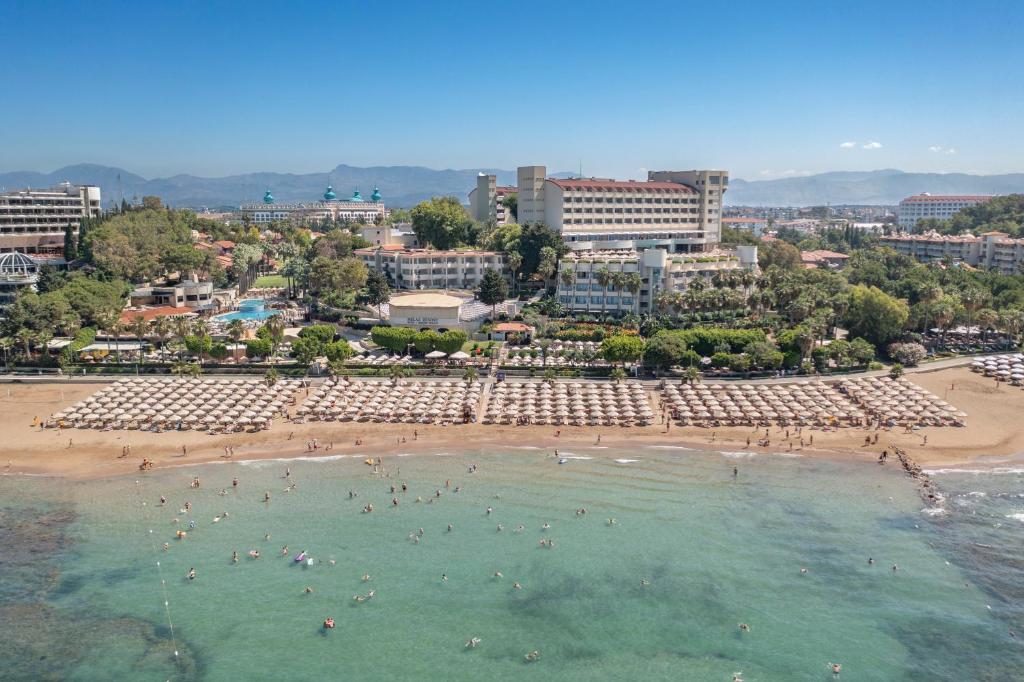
(82, 597)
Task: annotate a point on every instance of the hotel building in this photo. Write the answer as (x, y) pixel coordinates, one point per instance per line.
(659, 270)
(429, 269)
(487, 200)
(355, 209)
(679, 211)
(33, 221)
(937, 206)
(994, 250)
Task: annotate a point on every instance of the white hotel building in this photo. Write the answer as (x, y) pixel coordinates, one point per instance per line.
(429, 269)
(996, 250)
(33, 221)
(355, 209)
(487, 200)
(937, 206)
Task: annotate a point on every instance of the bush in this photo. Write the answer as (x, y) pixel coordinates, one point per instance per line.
(339, 350)
(720, 360)
(395, 339)
(258, 348)
(451, 341)
(321, 333)
(907, 354)
(739, 362)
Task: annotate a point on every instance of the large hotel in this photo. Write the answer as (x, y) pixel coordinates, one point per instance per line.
(935, 206)
(33, 221)
(355, 209)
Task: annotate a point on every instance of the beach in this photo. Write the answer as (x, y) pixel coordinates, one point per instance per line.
(991, 434)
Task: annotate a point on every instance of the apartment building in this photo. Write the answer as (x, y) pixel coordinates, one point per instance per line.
(938, 206)
(756, 226)
(487, 200)
(429, 269)
(658, 270)
(996, 250)
(33, 221)
(679, 211)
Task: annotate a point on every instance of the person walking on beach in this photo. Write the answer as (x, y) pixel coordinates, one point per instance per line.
(735, 472)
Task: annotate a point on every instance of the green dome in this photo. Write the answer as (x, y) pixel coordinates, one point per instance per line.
(268, 198)
(356, 196)
(376, 195)
(329, 195)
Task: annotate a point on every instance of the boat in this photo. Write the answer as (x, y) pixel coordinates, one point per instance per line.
(300, 557)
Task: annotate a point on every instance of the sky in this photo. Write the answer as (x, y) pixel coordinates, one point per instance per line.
(762, 89)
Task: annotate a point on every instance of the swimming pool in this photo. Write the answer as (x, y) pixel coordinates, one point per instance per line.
(248, 309)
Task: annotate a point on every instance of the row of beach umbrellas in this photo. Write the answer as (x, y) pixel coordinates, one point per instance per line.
(898, 401)
(749, 404)
(424, 402)
(1009, 367)
(577, 404)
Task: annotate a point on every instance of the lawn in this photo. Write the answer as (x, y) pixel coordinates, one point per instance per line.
(271, 282)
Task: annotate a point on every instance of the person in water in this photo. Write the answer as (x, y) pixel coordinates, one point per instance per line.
(234, 557)
(192, 574)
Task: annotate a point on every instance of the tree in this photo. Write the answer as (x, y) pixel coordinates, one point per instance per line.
(764, 354)
(532, 239)
(440, 222)
(622, 348)
(664, 350)
(151, 202)
(514, 260)
(548, 264)
(235, 330)
(616, 375)
(338, 351)
(511, 204)
(275, 331)
(70, 243)
(780, 254)
(397, 373)
(907, 354)
(874, 314)
(691, 375)
(896, 371)
(471, 375)
(271, 377)
(862, 351)
(378, 292)
(493, 290)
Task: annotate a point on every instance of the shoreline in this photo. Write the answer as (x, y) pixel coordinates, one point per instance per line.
(990, 439)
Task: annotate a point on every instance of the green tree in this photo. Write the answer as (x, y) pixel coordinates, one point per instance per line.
(271, 377)
(532, 240)
(665, 349)
(511, 204)
(338, 351)
(622, 348)
(440, 222)
(493, 290)
(378, 292)
(780, 254)
(70, 243)
(235, 330)
(875, 315)
(514, 260)
(471, 375)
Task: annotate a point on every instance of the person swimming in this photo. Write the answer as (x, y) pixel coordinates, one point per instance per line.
(533, 656)
(836, 668)
(545, 526)
(234, 557)
(744, 627)
(516, 586)
(498, 574)
(644, 582)
(366, 577)
(328, 623)
(192, 574)
(472, 642)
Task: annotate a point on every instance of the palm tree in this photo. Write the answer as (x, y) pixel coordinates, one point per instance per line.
(162, 329)
(470, 375)
(117, 329)
(604, 278)
(514, 261)
(633, 282)
(201, 328)
(271, 377)
(182, 328)
(397, 373)
(275, 325)
(6, 344)
(25, 337)
(986, 318)
(235, 330)
(617, 374)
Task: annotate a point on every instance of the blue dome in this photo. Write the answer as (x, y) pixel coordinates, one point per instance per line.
(268, 198)
(355, 196)
(376, 195)
(329, 195)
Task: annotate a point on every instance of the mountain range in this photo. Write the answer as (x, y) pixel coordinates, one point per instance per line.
(404, 186)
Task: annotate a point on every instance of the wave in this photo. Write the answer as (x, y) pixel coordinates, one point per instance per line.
(626, 461)
(260, 463)
(524, 447)
(995, 471)
(671, 447)
(1018, 516)
(570, 455)
(742, 454)
(934, 511)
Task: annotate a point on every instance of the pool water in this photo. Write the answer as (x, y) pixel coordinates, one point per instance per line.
(249, 309)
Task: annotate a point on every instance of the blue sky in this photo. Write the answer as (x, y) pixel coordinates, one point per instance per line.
(763, 89)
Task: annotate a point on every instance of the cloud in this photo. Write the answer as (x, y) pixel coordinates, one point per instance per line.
(871, 145)
(847, 145)
(939, 149)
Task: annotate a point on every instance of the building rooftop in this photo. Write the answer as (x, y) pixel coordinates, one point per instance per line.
(150, 314)
(425, 301)
(927, 198)
(629, 185)
(406, 251)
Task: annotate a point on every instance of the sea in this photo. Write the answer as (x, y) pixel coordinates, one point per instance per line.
(823, 561)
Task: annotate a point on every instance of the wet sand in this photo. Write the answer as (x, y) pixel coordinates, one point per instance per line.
(993, 435)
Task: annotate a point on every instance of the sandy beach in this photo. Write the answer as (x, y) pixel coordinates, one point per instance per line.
(991, 436)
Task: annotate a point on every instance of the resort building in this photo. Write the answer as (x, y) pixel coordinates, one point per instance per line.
(937, 206)
(33, 221)
(391, 235)
(756, 226)
(679, 211)
(355, 209)
(487, 200)
(436, 310)
(590, 290)
(994, 250)
(429, 269)
(17, 271)
(823, 258)
(185, 294)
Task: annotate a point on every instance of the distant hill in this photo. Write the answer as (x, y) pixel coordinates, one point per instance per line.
(886, 187)
(405, 186)
(401, 186)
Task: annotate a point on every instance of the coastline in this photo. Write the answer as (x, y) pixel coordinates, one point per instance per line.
(991, 438)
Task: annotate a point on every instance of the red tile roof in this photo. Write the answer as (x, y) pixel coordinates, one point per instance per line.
(150, 314)
(936, 198)
(503, 327)
(225, 244)
(622, 184)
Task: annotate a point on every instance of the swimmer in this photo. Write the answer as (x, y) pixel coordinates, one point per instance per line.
(545, 526)
(870, 561)
(366, 577)
(803, 570)
(895, 567)
(612, 521)
(163, 500)
(223, 491)
(516, 586)
(836, 668)
(234, 557)
(644, 582)
(284, 550)
(308, 590)
(444, 577)
(394, 501)
(449, 528)
(489, 510)
(744, 627)
(532, 656)
(519, 528)
(266, 536)
(420, 531)
(192, 574)
(498, 574)
(266, 496)
(472, 642)
(501, 527)
(167, 546)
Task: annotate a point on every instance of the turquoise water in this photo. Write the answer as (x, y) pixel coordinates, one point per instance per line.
(81, 596)
(249, 309)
